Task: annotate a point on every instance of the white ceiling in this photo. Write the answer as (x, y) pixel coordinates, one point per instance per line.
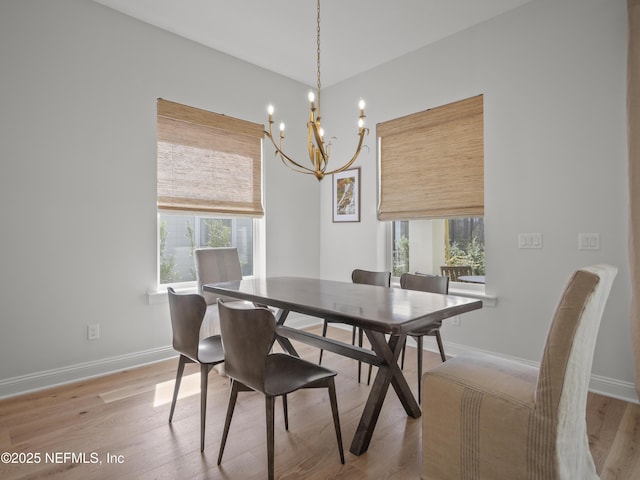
(280, 35)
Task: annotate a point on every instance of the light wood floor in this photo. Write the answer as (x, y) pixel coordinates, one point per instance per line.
(123, 418)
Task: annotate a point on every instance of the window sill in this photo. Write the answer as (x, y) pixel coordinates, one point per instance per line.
(479, 293)
(469, 290)
(160, 296)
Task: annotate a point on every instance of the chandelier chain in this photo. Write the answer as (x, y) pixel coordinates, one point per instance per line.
(318, 50)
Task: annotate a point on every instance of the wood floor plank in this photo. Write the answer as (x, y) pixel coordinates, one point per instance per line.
(124, 417)
(604, 415)
(623, 460)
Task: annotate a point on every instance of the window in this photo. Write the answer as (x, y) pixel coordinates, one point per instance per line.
(426, 245)
(181, 234)
(209, 188)
(431, 186)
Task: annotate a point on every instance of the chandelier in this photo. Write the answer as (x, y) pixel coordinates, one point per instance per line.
(319, 151)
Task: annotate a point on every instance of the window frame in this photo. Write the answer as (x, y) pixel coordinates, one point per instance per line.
(471, 290)
(257, 247)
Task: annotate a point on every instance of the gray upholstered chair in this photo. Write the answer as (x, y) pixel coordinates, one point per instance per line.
(219, 264)
(486, 417)
(381, 279)
(247, 337)
(425, 283)
(187, 312)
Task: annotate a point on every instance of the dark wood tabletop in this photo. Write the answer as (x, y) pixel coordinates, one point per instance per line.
(385, 314)
(386, 310)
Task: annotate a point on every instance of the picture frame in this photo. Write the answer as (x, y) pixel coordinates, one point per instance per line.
(346, 196)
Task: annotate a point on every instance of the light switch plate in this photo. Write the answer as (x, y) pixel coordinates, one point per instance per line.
(529, 240)
(588, 241)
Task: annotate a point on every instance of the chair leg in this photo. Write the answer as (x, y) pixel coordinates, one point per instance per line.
(285, 407)
(353, 342)
(419, 354)
(204, 381)
(269, 404)
(233, 396)
(336, 418)
(360, 340)
(440, 346)
(404, 348)
(324, 334)
(369, 374)
(176, 388)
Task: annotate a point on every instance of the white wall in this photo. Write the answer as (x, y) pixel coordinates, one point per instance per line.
(78, 89)
(553, 77)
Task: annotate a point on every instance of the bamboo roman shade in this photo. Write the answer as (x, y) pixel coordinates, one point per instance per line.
(208, 162)
(432, 163)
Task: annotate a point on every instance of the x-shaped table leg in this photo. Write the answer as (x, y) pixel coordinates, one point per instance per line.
(388, 373)
(285, 343)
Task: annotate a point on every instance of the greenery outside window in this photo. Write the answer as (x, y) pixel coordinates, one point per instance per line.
(180, 234)
(426, 245)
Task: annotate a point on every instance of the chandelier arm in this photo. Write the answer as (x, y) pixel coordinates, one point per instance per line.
(363, 132)
(310, 146)
(306, 171)
(284, 155)
(319, 143)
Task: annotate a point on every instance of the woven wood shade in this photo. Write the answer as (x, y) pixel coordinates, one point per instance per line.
(432, 163)
(208, 162)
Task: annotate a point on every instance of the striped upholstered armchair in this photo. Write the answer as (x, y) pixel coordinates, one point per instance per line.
(488, 418)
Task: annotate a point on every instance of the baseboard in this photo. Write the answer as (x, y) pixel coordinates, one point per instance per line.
(298, 320)
(20, 385)
(609, 387)
(50, 378)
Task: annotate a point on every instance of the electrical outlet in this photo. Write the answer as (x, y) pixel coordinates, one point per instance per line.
(93, 331)
(455, 321)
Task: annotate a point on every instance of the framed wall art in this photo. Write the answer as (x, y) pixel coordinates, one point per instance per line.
(346, 196)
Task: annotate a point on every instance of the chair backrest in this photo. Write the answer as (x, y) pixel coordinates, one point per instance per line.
(247, 337)
(565, 369)
(382, 279)
(187, 312)
(455, 271)
(213, 265)
(425, 283)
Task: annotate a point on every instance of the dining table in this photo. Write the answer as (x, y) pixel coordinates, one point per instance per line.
(385, 315)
